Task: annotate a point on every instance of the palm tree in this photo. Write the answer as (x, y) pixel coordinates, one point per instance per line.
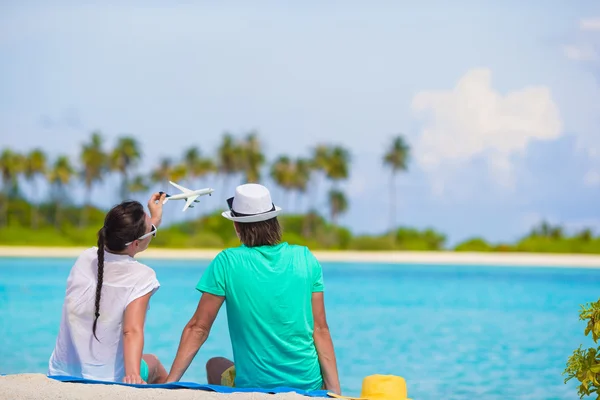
(204, 166)
(397, 159)
(543, 230)
(59, 177)
(282, 173)
(125, 156)
(191, 158)
(178, 172)
(228, 158)
(318, 164)
(338, 204)
(338, 164)
(167, 171)
(35, 165)
(585, 235)
(557, 233)
(11, 165)
(337, 169)
(138, 184)
(196, 165)
(301, 178)
(95, 165)
(253, 158)
(162, 173)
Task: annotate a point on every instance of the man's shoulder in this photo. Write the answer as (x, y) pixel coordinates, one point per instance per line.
(231, 253)
(300, 249)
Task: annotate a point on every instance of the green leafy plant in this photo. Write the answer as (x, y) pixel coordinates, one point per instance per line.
(585, 364)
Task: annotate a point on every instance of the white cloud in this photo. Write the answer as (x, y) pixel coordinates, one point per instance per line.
(587, 51)
(590, 24)
(475, 120)
(580, 53)
(586, 47)
(585, 123)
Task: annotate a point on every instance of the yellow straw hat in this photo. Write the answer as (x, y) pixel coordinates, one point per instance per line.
(380, 387)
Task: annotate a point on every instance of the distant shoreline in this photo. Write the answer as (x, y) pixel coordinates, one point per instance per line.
(389, 257)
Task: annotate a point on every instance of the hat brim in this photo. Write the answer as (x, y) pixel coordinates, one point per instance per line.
(252, 218)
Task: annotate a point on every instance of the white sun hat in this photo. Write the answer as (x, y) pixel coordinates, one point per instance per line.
(251, 203)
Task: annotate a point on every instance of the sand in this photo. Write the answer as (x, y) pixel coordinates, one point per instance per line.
(391, 257)
(38, 386)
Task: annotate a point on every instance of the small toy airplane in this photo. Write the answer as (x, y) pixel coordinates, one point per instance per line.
(190, 196)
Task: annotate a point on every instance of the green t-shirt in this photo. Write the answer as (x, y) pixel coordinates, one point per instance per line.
(268, 291)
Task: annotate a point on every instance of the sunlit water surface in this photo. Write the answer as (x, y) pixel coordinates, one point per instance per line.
(452, 332)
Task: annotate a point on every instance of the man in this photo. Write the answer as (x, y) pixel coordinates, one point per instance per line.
(275, 306)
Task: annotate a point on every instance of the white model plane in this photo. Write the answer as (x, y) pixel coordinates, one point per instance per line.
(189, 195)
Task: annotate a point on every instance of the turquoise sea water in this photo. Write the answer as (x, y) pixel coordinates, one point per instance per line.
(453, 332)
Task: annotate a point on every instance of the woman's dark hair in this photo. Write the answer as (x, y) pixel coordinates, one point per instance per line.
(123, 223)
(263, 233)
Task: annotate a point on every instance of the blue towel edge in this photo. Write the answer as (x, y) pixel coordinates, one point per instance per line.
(193, 385)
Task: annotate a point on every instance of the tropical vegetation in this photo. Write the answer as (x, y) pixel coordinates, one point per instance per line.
(53, 218)
(584, 365)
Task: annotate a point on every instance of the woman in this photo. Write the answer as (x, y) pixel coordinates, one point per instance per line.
(275, 307)
(101, 334)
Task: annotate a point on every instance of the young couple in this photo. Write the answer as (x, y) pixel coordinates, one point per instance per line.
(273, 293)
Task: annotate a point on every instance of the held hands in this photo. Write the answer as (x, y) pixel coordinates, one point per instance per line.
(155, 205)
(134, 379)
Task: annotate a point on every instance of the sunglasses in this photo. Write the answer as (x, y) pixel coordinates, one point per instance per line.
(144, 236)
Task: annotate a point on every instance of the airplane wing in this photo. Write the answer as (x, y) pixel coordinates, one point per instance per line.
(184, 190)
(189, 201)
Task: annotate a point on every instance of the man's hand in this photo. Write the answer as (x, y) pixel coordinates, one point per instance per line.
(155, 205)
(134, 379)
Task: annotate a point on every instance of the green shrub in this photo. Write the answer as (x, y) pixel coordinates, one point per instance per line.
(372, 243)
(474, 244)
(413, 239)
(584, 365)
(293, 238)
(24, 236)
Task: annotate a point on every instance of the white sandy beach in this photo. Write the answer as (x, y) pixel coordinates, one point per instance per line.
(408, 257)
(38, 386)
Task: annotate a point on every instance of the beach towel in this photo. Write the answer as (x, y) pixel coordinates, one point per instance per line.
(192, 385)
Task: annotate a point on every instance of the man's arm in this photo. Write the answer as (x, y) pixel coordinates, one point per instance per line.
(195, 334)
(133, 337)
(324, 344)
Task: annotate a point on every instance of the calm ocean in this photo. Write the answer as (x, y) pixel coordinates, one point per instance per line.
(453, 332)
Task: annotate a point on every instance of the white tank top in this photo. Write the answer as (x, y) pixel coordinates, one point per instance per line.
(77, 352)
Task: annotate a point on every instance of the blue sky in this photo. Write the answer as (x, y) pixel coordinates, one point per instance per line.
(499, 101)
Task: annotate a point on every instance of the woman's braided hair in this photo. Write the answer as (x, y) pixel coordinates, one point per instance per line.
(123, 223)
